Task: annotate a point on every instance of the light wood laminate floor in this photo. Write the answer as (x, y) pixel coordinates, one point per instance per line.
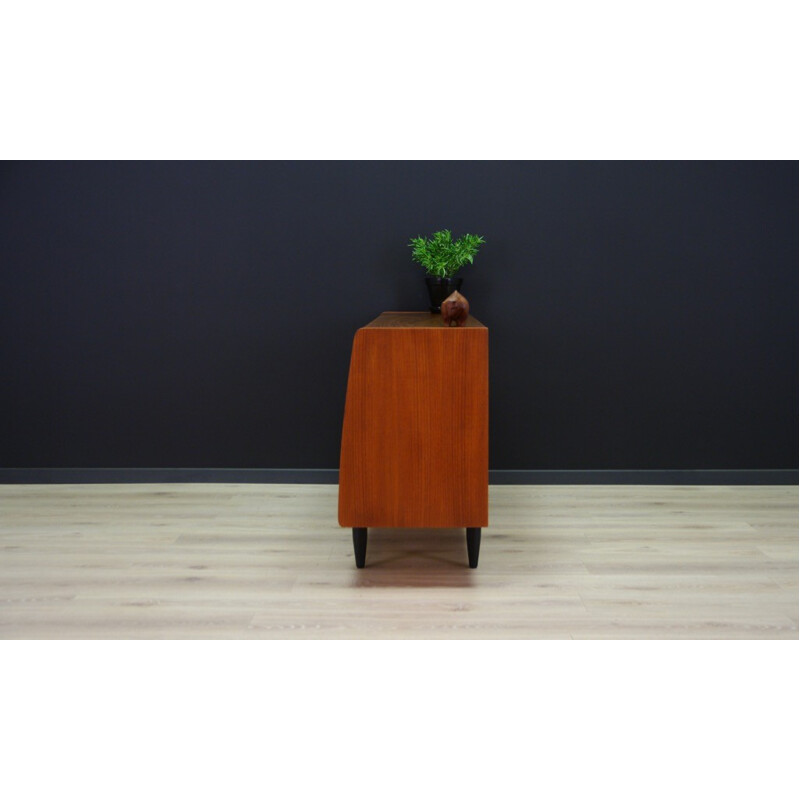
(240, 561)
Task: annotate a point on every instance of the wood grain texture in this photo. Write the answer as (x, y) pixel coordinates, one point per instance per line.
(415, 437)
(228, 561)
(415, 319)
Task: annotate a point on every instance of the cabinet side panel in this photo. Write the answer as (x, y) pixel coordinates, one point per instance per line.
(476, 430)
(415, 438)
(354, 445)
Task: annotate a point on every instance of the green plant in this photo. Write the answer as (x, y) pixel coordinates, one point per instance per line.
(441, 255)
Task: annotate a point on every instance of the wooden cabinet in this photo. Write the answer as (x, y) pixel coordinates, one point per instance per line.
(415, 439)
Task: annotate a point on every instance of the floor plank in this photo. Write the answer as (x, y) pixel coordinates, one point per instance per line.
(243, 561)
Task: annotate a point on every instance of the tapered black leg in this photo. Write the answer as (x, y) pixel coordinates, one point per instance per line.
(473, 545)
(360, 545)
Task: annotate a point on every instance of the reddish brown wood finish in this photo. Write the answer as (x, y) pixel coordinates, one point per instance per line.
(415, 440)
(455, 309)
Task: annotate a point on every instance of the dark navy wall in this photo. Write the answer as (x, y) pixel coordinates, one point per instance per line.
(643, 315)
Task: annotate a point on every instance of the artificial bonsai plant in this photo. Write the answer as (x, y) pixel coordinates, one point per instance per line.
(442, 257)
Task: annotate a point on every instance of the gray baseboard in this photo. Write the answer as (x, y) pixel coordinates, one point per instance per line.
(166, 475)
(668, 477)
(650, 477)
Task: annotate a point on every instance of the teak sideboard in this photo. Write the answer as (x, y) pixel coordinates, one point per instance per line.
(415, 438)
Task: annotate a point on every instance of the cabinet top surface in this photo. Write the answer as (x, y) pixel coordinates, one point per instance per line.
(417, 319)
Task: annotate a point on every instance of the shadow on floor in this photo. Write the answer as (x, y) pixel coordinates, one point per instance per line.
(416, 557)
